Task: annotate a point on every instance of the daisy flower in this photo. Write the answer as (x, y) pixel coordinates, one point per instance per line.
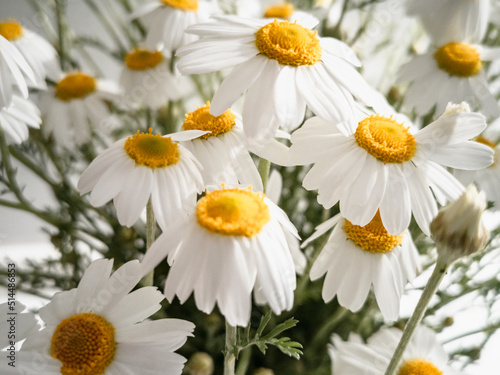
(15, 73)
(424, 355)
(141, 167)
(233, 243)
(39, 54)
(282, 66)
(16, 118)
(24, 324)
(221, 152)
(167, 20)
(356, 257)
(147, 80)
(77, 101)
(452, 71)
(99, 328)
(383, 165)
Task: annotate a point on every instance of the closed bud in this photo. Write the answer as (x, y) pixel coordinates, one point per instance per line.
(200, 364)
(458, 229)
(263, 371)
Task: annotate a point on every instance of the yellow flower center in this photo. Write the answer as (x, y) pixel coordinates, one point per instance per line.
(373, 237)
(289, 43)
(84, 343)
(11, 30)
(154, 151)
(201, 119)
(283, 11)
(458, 59)
(487, 142)
(418, 367)
(140, 59)
(233, 212)
(75, 86)
(385, 139)
(182, 4)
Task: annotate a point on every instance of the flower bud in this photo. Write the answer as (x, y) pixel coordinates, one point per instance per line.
(458, 228)
(200, 364)
(263, 371)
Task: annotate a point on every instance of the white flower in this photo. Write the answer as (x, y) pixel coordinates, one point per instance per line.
(141, 167)
(99, 328)
(232, 244)
(16, 118)
(147, 80)
(355, 258)
(282, 66)
(221, 152)
(382, 166)
(24, 324)
(39, 54)
(77, 101)
(167, 20)
(424, 355)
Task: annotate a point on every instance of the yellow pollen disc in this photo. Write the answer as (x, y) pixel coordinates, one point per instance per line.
(201, 119)
(487, 142)
(283, 11)
(418, 367)
(140, 59)
(458, 59)
(11, 30)
(233, 212)
(373, 237)
(75, 86)
(182, 4)
(385, 139)
(289, 43)
(84, 343)
(154, 151)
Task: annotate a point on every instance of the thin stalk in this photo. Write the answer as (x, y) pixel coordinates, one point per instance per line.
(244, 361)
(229, 356)
(429, 290)
(62, 37)
(148, 279)
(264, 168)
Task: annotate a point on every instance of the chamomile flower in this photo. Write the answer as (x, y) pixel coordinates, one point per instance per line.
(383, 165)
(141, 167)
(356, 257)
(39, 54)
(75, 105)
(167, 20)
(21, 325)
(147, 80)
(233, 243)
(282, 66)
(16, 118)
(221, 152)
(424, 355)
(99, 328)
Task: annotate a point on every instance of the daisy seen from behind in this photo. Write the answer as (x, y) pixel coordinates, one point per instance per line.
(282, 67)
(15, 119)
(147, 80)
(99, 328)
(356, 257)
(232, 244)
(383, 165)
(424, 354)
(76, 106)
(222, 151)
(142, 167)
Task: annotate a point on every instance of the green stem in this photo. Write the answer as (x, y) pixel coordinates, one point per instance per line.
(264, 168)
(229, 356)
(148, 279)
(61, 30)
(244, 361)
(429, 290)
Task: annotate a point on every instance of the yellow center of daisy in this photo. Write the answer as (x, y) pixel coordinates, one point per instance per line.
(487, 142)
(201, 119)
(182, 4)
(458, 59)
(373, 237)
(84, 343)
(289, 43)
(140, 59)
(11, 30)
(418, 367)
(283, 11)
(75, 86)
(233, 212)
(385, 139)
(154, 151)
